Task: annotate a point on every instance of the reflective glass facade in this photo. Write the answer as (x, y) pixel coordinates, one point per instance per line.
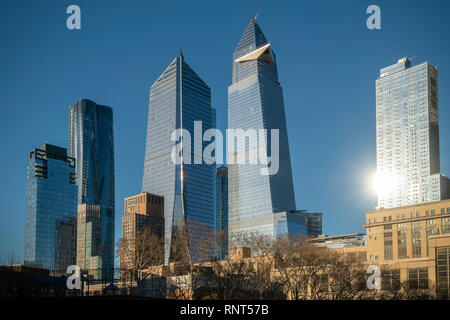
(92, 145)
(407, 130)
(177, 99)
(222, 212)
(51, 209)
(259, 203)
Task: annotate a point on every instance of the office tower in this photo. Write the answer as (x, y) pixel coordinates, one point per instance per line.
(177, 99)
(407, 130)
(259, 203)
(313, 222)
(51, 206)
(141, 211)
(89, 237)
(222, 212)
(92, 145)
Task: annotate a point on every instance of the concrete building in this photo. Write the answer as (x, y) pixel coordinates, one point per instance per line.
(411, 245)
(89, 237)
(407, 133)
(144, 210)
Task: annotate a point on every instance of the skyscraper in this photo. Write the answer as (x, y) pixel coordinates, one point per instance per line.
(51, 202)
(140, 212)
(91, 143)
(259, 203)
(89, 236)
(407, 130)
(177, 99)
(222, 212)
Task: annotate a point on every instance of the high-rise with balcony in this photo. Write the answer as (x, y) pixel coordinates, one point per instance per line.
(178, 98)
(259, 203)
(407, 133)
(91, 143)
(51, 209)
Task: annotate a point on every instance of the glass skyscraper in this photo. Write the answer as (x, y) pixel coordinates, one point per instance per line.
(407, 132)
(177, 99)
(51, 209)
(259, 203)
(91, 143)
(222, 212)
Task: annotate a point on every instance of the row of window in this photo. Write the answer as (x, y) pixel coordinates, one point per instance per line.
(412, 215)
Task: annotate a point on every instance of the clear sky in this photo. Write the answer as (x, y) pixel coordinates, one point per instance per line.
(328, 62)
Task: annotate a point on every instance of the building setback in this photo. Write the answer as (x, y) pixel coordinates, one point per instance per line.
(177, 99)
(91, 143)
(407, 133)
(51, 201)
(259, 203)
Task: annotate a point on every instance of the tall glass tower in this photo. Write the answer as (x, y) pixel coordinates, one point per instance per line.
(222, 212)
(259, 203)
(91, 143)
(177, 99)
(51, 206)
(407, 130)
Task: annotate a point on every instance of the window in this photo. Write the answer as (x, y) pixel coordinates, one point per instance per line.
(431, 221)
(443, 273)
(418, 278)
(388, 253)
(446, 229)
(390, 279)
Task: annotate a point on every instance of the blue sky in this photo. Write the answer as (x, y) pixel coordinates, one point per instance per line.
(327, 60)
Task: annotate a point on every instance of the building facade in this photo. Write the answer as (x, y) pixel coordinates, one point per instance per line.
(51, 201)
(178, 98)
(89, 236)
(259, 203)
(407, 131)
(141, 211)
(222, 212)
(411, 245)
(313, 221)
(91, 143)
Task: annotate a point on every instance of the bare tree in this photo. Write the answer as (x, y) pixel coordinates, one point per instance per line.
(144, 250)
(192, 246)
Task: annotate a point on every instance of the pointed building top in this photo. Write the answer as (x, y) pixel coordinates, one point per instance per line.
(181, 54)
(252, 39)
